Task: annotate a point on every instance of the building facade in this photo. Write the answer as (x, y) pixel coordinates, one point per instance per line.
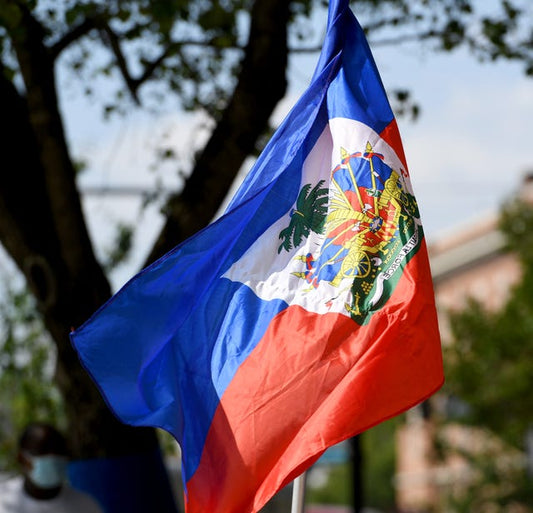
(471, 262)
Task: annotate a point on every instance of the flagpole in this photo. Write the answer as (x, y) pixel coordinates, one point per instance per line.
(298, 494)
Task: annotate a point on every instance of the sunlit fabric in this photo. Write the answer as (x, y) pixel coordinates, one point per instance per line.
(301, 317)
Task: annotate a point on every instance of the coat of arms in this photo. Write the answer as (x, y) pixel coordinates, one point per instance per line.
(368, 227)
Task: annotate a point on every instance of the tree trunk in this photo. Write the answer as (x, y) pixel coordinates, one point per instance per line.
(261, 85)
(43, 229)
(41, 220)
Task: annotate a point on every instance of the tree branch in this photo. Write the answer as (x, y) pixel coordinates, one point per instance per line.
(405, 38)
(57, 173)
(113, 40)
(261, 85)
(133, 84)
(73, 35)
(170, 49)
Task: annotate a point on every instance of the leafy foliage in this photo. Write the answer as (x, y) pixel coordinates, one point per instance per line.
(121, 248)
(495, 481)
(490, 367)
(490, 34)
(120, 52)
(336, 490)
(379, 448)
(192, 49)
(27, 359)
(490, 364)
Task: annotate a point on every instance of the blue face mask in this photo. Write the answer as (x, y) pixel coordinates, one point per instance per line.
(48, 471)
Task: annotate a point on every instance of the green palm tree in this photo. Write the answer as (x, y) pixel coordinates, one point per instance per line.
(308, 216)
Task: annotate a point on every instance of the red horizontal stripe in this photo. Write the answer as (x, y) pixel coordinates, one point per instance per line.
(312, 381)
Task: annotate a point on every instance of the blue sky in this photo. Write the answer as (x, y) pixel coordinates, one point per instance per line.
(467, 152)
(471, 147)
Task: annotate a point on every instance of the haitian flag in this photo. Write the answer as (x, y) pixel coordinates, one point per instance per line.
(301, 317)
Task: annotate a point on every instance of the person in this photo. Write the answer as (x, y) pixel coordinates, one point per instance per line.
(42, 487)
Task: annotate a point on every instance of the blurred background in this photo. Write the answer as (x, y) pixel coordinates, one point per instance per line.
(121, 127)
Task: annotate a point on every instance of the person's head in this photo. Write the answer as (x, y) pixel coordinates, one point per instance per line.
(43, 458)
